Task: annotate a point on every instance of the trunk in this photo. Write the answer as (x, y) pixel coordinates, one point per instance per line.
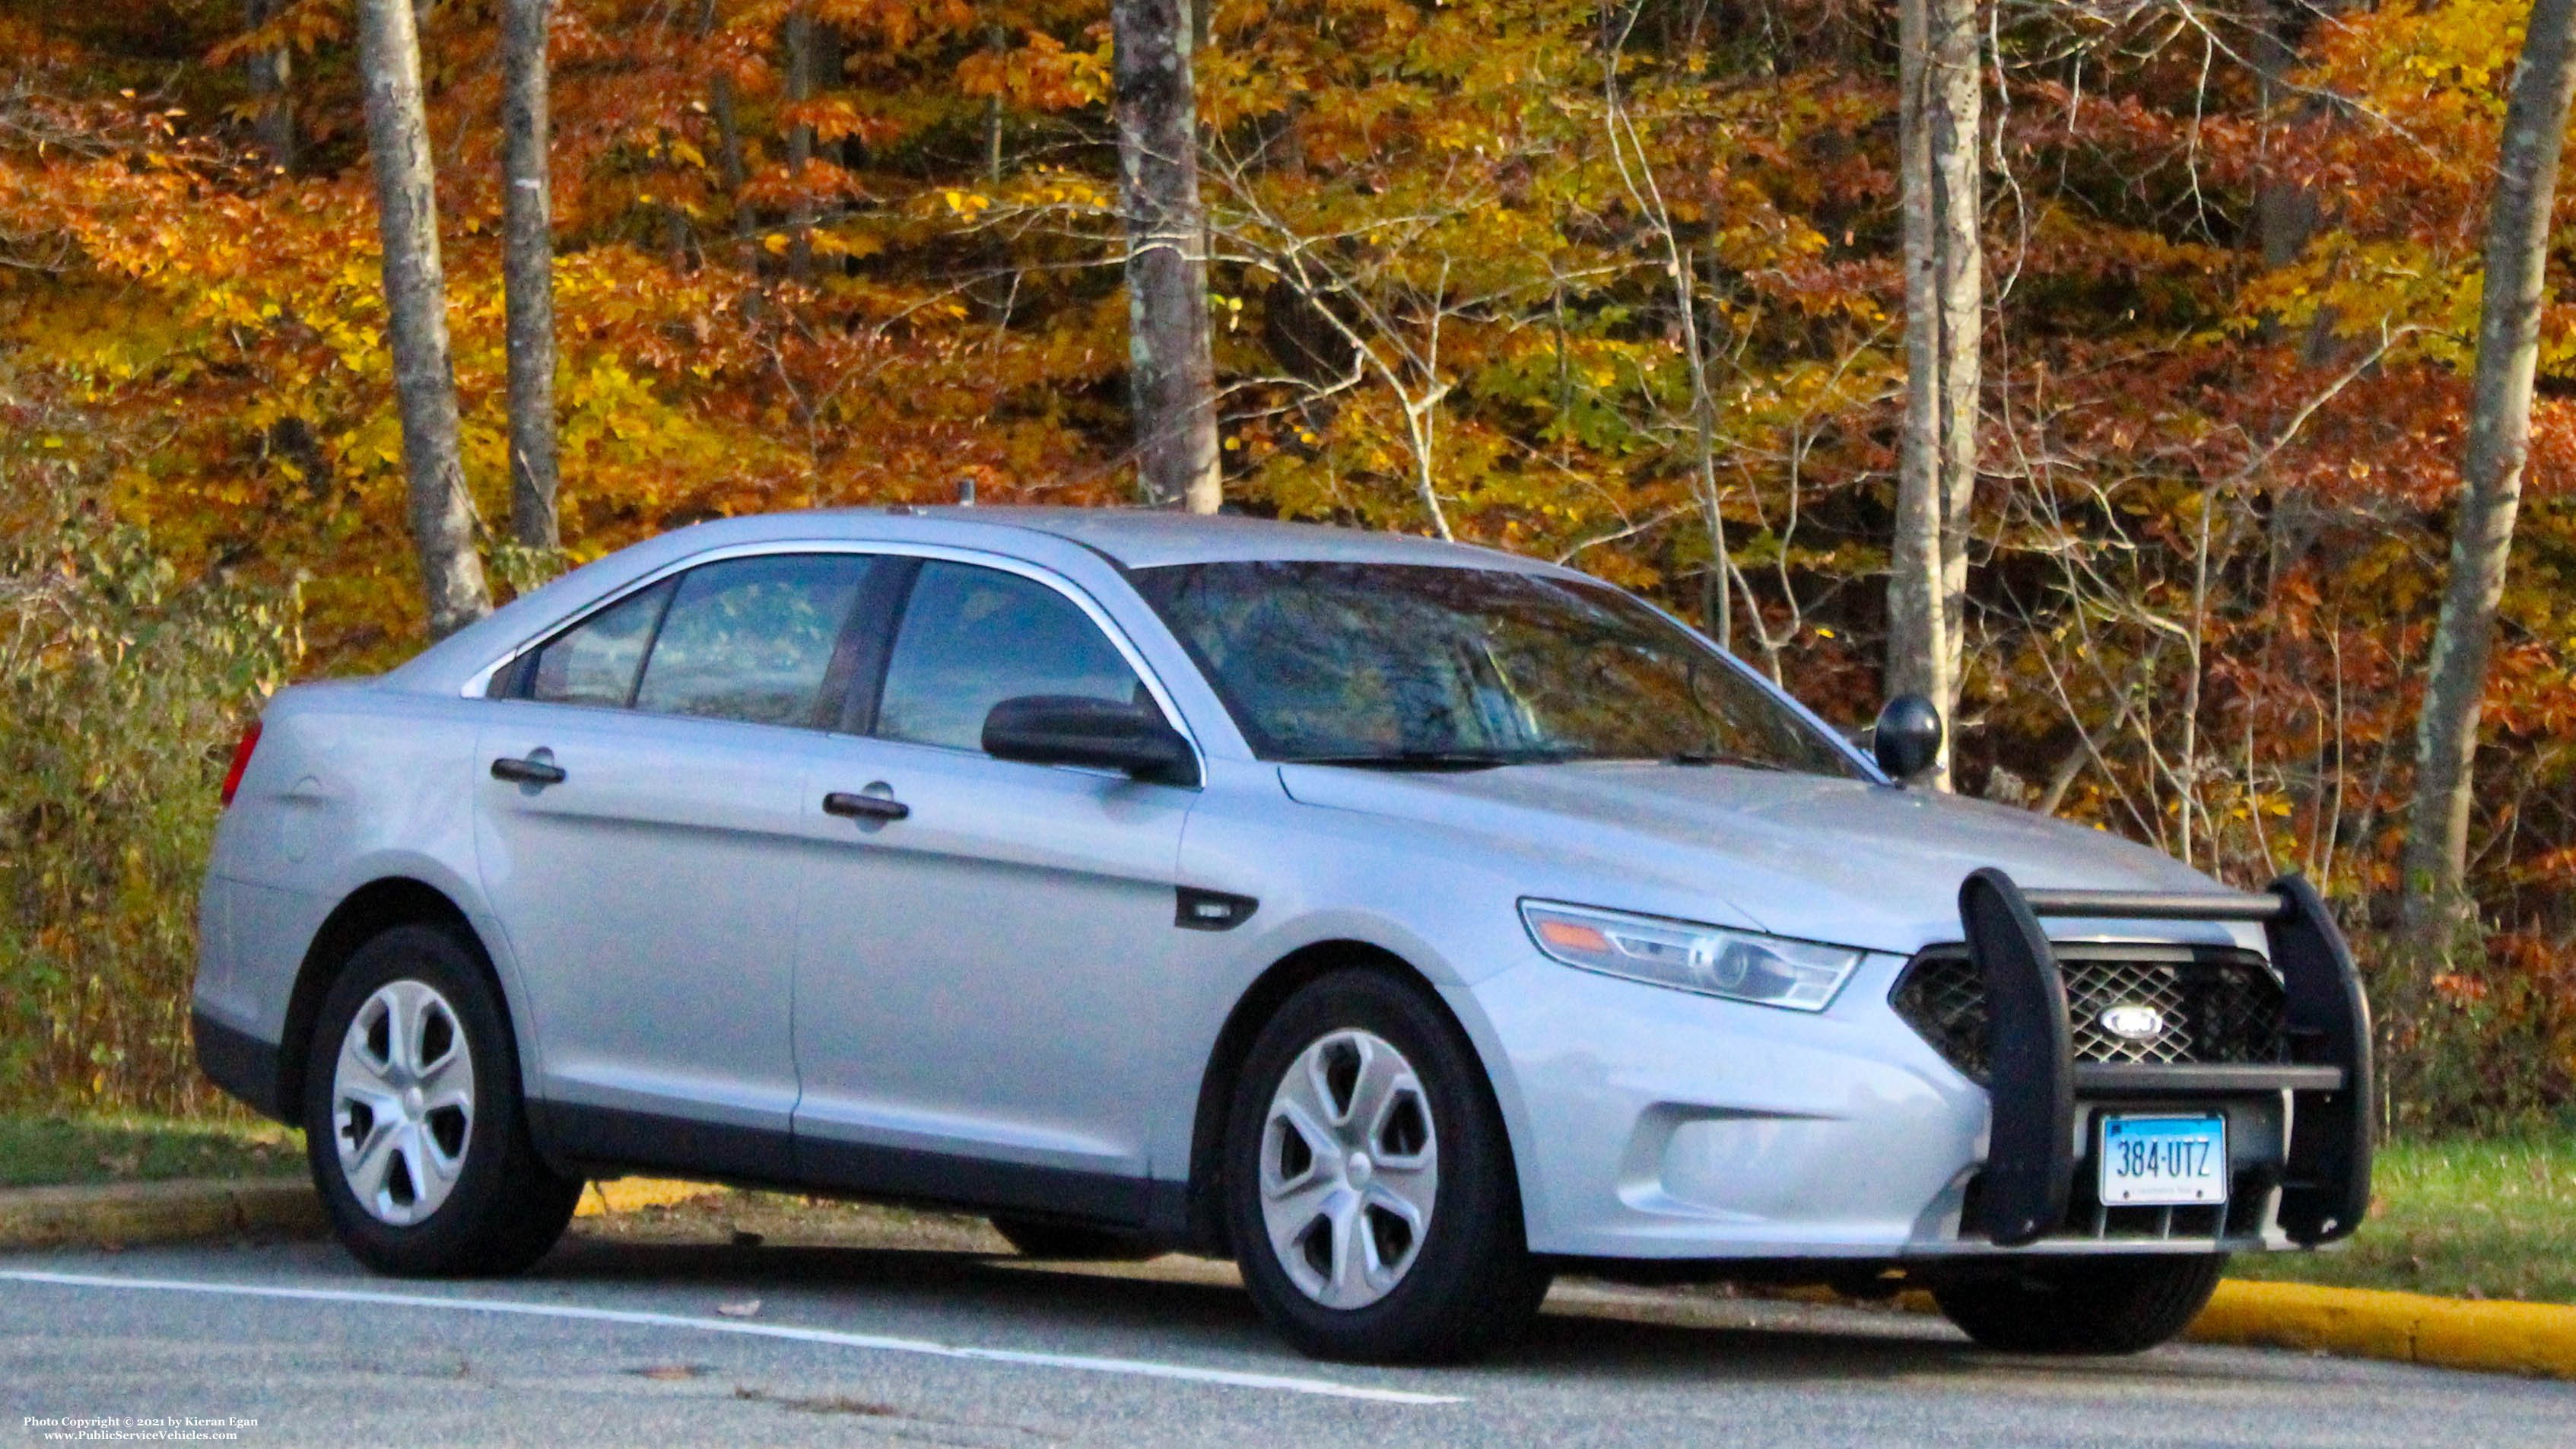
(528, 275)
(1171, 376)
(797, 38)
(1958, 212)
(274, 125)
(729, 145)
(2535, 127)
(442, 516)
(1938, 79)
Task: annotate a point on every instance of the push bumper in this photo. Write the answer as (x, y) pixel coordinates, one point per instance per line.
(2035, 1083)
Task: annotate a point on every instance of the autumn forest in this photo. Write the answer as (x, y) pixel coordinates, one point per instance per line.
(1618, 283)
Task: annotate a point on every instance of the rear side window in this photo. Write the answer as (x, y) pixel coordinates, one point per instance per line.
(595, 663)
(973, 637)
(754, 639)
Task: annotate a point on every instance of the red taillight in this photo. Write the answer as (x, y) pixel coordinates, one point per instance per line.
(241, 760)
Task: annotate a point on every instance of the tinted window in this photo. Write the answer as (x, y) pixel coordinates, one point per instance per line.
(973, 637)
(753, 638)
(595, 663)
(1401, 666)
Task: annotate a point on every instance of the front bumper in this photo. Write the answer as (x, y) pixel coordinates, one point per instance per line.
(1655, 1125)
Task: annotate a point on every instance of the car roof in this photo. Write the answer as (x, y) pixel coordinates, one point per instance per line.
(1130, 538)
(1143, 538)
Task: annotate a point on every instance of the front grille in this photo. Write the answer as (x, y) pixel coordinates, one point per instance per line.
(2219, 1004)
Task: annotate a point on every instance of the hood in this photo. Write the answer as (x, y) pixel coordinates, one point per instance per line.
(1819, 859)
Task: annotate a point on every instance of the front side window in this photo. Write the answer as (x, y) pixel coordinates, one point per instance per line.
(972, 637)
(1429, 667)
(753, 639)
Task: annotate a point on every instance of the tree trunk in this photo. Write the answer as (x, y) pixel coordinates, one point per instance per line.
(1171, 375)
(797, 39)
(1939, 72)
(442, 516)
(270, 70)
(528, 275)
(2526, 183)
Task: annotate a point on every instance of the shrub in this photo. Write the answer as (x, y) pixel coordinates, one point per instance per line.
(123, 688)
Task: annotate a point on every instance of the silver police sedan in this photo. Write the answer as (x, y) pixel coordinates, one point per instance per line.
(1407, 922)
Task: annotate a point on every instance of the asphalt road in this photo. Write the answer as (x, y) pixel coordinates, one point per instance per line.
(628, 1343)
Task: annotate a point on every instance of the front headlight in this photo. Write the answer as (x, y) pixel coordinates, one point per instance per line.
(1711, 960)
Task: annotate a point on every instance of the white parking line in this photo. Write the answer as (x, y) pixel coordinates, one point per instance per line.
(1140, 1368)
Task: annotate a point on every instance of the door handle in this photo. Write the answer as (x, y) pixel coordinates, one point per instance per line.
(527, 772)
(864, 807)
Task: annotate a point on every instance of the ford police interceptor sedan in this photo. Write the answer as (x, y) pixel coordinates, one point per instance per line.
(1405, 921)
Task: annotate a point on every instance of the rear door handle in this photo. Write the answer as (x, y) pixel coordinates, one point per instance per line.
(864, 807)
(527, 772)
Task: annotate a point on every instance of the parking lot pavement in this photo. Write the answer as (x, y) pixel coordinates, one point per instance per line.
(616, 1343)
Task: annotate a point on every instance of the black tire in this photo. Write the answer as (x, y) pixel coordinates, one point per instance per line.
(1472, 1285)
(1037, 1238)
(2083, 1305)
(506, 1208)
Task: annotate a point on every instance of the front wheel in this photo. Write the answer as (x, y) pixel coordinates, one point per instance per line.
(1369, 1186)
(2083, 1305)
(413, 1121)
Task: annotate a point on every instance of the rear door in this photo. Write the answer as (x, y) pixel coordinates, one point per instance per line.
(640, 819)
(981, 982)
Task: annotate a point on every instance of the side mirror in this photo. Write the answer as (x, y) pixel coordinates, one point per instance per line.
(1102, 734)
(1907, 738)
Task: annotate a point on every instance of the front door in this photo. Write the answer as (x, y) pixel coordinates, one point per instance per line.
(983, 959)
(640, 823)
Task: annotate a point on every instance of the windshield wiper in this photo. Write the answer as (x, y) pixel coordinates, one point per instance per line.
(1721, 757)
(1425, 760)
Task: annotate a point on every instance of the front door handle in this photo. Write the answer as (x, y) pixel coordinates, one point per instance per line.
(527, 772)
(864, 807)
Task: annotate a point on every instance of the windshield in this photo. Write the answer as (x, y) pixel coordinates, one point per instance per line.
(1425, 667)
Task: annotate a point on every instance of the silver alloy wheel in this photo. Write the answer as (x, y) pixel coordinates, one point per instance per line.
(402, 1102)
(1349, 1169)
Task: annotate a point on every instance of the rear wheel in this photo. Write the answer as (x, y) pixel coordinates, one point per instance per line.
(413, 1121)
(2084, 1305)
(1369, 1185)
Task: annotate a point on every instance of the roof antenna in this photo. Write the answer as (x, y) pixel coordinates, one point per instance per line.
(966, 492)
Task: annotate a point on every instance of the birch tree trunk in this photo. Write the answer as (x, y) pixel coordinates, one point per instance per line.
(270, 70)
(528, 274)
(2517, 253)
(797, 39)
(1938, 79)
(442, 516)
(1171, 374)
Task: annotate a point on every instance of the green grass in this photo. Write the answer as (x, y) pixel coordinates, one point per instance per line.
(46, 1150)
(2462, 1218)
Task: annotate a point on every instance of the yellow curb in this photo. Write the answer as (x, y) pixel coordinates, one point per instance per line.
(626, 1194)
(2522, 1338)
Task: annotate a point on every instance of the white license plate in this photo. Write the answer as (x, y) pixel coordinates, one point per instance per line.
(2160, 1161)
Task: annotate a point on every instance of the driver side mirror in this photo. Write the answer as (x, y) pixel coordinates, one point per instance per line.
(1102, 734)
(1907, 738)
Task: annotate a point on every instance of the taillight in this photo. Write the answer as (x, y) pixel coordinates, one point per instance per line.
(241, 760)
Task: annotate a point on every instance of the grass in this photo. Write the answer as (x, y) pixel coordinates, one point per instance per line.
(2461, 1218)
(46, 1150)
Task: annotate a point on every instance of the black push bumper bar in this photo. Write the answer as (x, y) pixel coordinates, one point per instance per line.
(2033, 1079)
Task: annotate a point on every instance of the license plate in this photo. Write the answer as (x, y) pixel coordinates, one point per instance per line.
(2160, 1161)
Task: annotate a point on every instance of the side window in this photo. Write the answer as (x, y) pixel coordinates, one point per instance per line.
(754, 639)
(595, 663)
(973, 637)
